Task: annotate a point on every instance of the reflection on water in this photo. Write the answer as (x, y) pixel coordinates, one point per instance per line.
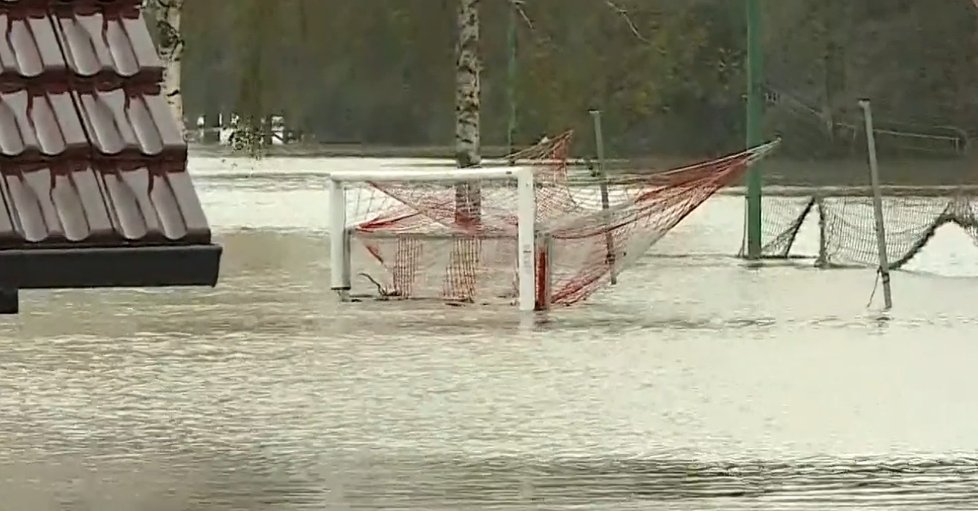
(696, 384)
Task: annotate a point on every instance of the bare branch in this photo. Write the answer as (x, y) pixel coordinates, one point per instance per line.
(518, 5)
(620, 11)
(628, 20)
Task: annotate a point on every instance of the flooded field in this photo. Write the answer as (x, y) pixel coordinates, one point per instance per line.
(697, 383)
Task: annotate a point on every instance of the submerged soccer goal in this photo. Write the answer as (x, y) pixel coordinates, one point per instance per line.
(536, 234)
(452, 246)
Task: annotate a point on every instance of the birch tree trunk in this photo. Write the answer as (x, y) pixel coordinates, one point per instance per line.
(468, 199)
(168, 13)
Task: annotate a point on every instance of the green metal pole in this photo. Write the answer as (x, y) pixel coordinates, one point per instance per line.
(755, 113)
(512, 76)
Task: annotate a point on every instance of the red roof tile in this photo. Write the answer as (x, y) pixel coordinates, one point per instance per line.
(107, 43)
(22, 55)
(90, 152)
(130, 122)
(69, 203)
(38, 123)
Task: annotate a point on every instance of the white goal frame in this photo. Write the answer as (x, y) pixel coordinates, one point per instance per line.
(340, 233)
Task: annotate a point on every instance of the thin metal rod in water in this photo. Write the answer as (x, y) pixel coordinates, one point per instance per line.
(605, 201)
(877, 203)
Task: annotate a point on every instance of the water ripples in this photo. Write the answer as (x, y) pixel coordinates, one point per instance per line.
(695, 384)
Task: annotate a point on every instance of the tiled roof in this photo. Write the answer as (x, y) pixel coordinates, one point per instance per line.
(107, 40)
(90, 152)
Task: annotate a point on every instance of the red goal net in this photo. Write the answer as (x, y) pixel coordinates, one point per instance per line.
(591, 227)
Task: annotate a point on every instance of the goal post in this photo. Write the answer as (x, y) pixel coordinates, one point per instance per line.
(439, 223)
(541, 234)
(339, 240)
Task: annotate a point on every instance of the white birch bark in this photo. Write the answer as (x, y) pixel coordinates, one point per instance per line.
(168, 13)
(467, 92)
(467, 86)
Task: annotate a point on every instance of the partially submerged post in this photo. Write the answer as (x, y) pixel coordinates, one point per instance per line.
(468, 197)
(9, 300)
(544, 270)
(339, 241)
(603, 184)
(877, 203)
(755, 112)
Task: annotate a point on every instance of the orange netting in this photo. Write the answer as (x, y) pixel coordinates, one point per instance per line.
(593, 226)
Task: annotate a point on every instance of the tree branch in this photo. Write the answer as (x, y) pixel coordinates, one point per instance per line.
(620, 11)
(518, 6)
(628, 20)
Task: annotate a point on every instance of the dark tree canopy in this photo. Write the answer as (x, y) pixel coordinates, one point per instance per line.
(381, 71)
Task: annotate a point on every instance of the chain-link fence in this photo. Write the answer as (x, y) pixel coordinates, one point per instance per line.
(917, 64)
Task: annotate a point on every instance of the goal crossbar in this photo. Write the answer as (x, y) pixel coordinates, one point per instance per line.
(340, 233)
(430, 174)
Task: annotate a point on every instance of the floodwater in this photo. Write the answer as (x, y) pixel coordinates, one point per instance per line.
(696, 383)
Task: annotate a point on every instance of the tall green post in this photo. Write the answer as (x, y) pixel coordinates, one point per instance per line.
(755, 113)
(512, 76)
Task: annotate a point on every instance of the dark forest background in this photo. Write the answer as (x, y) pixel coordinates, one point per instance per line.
(382, 71)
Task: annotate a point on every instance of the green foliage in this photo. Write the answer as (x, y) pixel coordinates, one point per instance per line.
(381, 71)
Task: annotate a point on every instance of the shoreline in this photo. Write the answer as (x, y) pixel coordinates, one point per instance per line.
(948, 174)
(345, 151)
(427, 152)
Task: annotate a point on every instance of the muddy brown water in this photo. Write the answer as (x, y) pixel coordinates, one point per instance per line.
(697, 383)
